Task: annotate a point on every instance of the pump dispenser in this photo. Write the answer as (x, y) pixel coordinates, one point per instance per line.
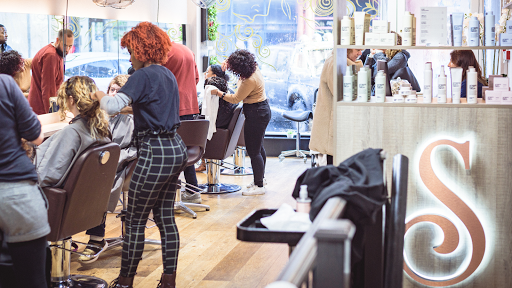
(348, 85)
(303, 202)
(441, 86)
(472, 85)
(427, 84)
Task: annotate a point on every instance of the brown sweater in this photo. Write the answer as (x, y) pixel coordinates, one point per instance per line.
(250, 90)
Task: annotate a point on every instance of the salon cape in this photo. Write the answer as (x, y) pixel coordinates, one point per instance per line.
(210, 109)
(56, 156)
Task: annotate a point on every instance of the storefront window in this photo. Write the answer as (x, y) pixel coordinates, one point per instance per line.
(96, 52)
(290, 39)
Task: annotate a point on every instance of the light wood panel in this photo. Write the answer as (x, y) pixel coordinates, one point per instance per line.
(485, 187)
(210, 255)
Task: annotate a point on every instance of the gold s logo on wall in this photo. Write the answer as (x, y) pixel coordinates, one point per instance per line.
(459, 208)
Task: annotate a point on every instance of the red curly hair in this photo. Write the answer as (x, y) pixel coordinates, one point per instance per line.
(148, 42)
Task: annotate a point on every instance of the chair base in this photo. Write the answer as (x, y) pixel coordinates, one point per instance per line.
(239, 171)
(183, 206)
(82, 281)
(219, 188)
(296, 153)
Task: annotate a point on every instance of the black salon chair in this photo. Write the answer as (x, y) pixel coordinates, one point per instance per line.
(221, 146)
(194, 133)
(296, 116)
(80, 205)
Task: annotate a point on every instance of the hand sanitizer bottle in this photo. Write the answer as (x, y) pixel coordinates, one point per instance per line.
(303, 202)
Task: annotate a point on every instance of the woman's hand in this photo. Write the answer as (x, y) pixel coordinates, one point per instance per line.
(98, 95)
(224, 65)
(215, 92)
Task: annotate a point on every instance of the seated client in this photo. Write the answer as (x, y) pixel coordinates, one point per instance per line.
(57, 154)
(121, 127)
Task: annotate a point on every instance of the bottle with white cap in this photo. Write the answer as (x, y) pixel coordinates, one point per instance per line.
(472, 85)
(303, 202)
(441, 86)
(348, 85)
(380, 87)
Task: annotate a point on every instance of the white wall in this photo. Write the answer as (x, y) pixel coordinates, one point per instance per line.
(171, 11)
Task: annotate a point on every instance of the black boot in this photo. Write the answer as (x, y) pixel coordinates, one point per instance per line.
(167, 281)
(122, 282)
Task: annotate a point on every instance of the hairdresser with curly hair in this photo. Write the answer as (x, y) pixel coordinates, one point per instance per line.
(153, 93)
(251, 90)
(56, 156)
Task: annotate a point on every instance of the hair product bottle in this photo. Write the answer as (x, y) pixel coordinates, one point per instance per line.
(457, 22)
(490, 33)
(380, 87)
(474, 31)
(427, 84)
(441, 86)
(303, 202)
(347, 36)
(348, 85)
(472, 85)
(362, 85)
(407, 29)
(456, 77)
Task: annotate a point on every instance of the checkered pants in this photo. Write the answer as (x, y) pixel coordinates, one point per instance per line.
(153, 187)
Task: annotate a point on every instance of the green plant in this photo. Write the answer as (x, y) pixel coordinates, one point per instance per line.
(214, 60)
(212, 23)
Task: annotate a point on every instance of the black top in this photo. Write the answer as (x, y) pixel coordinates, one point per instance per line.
(463, 86)
(224, 114)
(17, 120)
(155, 100)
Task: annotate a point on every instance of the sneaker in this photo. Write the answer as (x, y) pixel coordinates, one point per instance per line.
(94, 249)
(252, 183)
(202, 167)
(254, 190)
(191, 197)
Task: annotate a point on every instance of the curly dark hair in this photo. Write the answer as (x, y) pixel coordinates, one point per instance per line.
(242, 63)
(218, 82)
(148, 42)
(217, 70)
(10, 62)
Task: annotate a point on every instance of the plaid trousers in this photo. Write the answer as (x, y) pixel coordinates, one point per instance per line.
(153, 187)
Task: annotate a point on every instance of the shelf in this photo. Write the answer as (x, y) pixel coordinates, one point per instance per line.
(434, 104)
(425, 47)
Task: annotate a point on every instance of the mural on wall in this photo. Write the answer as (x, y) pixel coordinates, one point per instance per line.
(451, 234)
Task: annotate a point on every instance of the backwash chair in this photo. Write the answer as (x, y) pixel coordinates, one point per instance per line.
(80, 205)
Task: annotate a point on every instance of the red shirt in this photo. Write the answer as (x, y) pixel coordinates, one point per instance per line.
(181, 63)
(47, 75)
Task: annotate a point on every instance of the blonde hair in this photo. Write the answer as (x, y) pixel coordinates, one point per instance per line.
(80, 88)
(119, 80)
(390, 53)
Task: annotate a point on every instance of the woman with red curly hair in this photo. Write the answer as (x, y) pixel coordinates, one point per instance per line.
(153, 93)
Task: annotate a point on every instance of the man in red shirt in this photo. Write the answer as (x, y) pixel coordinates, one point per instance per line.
(48, 72)
(182, 64)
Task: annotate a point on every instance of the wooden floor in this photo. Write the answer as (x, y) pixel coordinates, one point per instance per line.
(210, 255)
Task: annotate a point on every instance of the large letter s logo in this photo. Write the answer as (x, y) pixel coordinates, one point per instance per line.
(461, 209)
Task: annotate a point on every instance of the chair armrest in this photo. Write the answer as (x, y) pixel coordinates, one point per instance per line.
(56, 202)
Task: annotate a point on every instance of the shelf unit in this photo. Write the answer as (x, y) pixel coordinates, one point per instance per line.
(425, 47)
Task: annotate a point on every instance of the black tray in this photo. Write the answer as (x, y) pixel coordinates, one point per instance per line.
(250, 229)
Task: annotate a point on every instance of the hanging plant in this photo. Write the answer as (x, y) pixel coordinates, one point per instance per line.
(212, 23)
(214, 60)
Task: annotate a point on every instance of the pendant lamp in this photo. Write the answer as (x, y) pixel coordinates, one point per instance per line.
(118, 4)
(203, 3)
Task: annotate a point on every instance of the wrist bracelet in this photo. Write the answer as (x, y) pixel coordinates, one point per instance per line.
(223, 94)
